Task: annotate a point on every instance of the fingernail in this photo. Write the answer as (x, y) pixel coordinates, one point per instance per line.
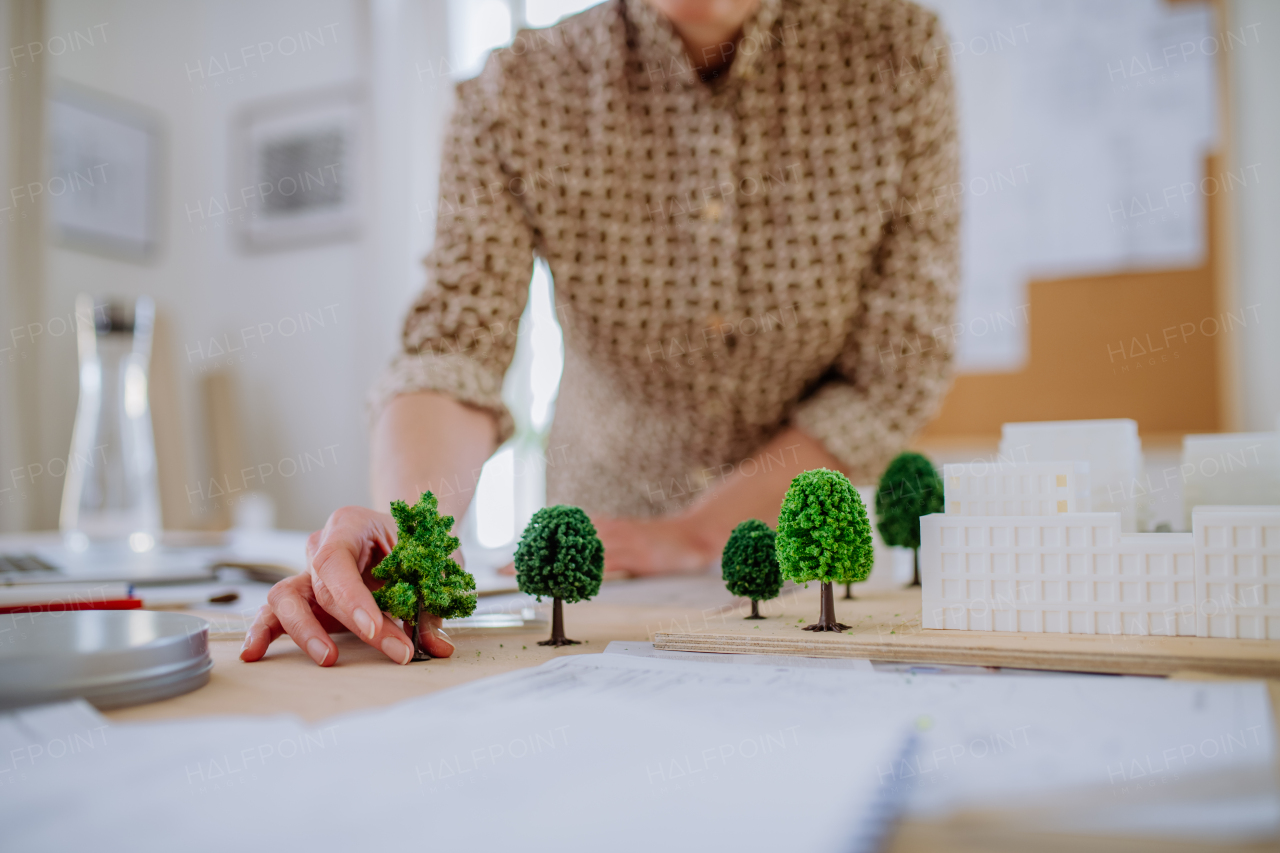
(439, 632)
(396, 650)
(248, 638)
(366, 624)
(318, 650)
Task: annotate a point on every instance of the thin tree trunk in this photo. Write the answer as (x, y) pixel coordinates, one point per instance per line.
(827, 613)
(848, 592)
(915, 578)
(415, 636)
(557, 620)
(755, 610)
(557, 627)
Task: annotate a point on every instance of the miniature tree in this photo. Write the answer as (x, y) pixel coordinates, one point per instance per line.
(824, 536)
(909, 489)
(420, 575)
(560, 556)
(749, 564)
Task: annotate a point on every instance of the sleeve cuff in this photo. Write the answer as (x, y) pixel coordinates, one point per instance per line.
(453, 375)
(863, 433)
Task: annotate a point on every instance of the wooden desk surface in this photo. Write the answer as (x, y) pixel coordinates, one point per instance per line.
(286, 681)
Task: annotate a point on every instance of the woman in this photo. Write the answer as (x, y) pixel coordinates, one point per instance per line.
(739, 203)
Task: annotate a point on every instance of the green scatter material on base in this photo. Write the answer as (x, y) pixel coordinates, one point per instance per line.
(823, 531)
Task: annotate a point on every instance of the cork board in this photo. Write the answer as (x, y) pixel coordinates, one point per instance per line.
(1124, 345)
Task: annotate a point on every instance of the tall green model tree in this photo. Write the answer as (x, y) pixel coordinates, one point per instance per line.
(560, 556)
(824, 536)
(420, 575)
(909, 489)
(749, 564)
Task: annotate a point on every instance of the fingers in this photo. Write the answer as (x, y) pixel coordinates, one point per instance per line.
(392, 641)
(337, 581)
(336, 576)
(265, 628)
(509, 569)
(433, 637)
(293, 611)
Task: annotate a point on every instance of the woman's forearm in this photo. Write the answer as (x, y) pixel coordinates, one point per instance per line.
(755, 487)
(427, 441)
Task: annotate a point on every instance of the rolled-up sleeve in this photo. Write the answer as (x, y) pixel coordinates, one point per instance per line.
(460, 334)
(895, 367)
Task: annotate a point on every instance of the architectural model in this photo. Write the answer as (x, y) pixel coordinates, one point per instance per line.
(749, 564)
(1045, 488)
(419, 574)
(1016, 549)
(560, 556)
(824, 535)
(909, 488)
(1111, 448)
(1229, 468)
(1237, 564)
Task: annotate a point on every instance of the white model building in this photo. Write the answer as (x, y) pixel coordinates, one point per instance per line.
(998, 488)
(1080, 573)
(1111, 447)
(1230, 468)
(1237, 553)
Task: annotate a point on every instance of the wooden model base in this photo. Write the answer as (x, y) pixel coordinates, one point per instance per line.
(886, 626)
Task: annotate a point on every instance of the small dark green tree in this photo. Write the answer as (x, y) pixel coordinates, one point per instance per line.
(420, 575)
(749, 564)
(560, 556)
(824, 536)
(909, 489)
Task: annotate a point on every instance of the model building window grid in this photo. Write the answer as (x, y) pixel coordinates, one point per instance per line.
(1079, 573)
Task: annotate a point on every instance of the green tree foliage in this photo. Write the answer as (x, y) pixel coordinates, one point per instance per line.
(749, 564)
(909, 489)
(419, 574)
(560, 555)
(823, 531)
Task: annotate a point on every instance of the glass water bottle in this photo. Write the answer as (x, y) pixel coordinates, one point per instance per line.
(111, 494)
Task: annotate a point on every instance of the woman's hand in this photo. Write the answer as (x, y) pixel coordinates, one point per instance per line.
(334, 596)
(657, 546)
(692, 540)
(648, 547)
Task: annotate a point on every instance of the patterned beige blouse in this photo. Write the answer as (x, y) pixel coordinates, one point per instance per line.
(776, 246)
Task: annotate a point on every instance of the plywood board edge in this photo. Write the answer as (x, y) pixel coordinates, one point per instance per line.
(1082, 660)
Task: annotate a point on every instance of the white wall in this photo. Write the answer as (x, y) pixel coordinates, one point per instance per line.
(12, 513)
(302, 394)
(306, 393)
(1256, 114)
(21, 80)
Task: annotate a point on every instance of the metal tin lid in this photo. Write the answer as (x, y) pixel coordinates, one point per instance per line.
(112, 658)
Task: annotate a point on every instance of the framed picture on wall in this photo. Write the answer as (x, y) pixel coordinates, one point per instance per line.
(103, 187)
(298, 169)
